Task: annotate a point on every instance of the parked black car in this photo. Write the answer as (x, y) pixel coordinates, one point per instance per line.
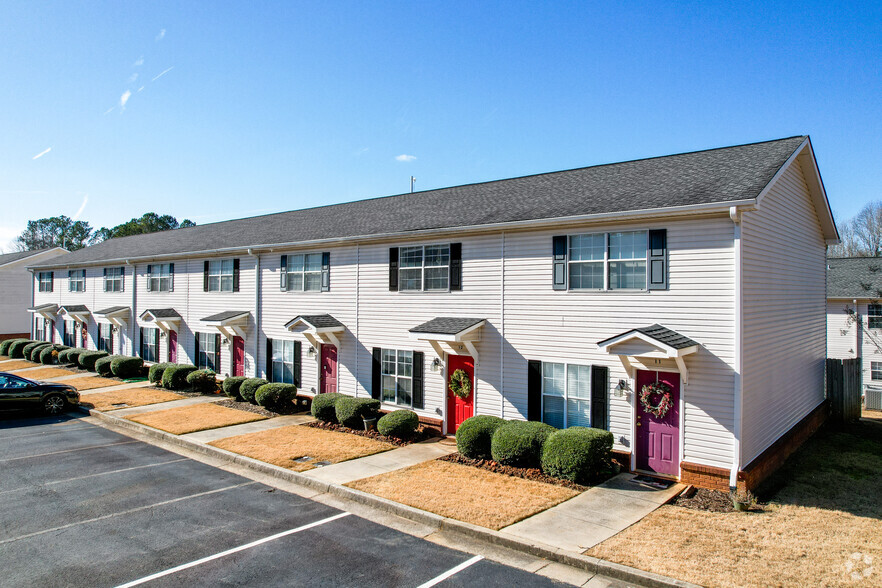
(53, 398)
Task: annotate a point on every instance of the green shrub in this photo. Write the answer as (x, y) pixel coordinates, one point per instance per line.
(474, 434)
(16, 350)
(324, 406)
(29, 349)
(49, 355)
(400, 424)
(4, 345)
(276, 396)
(175, 377)
(231, 386)
(127, 367)
(203, 381)
(350, 411)
(87, 359)
(248, 389)
(34, 353)
(577, 454)
(71, 356)
(519, 443)
(155, 373)
(102, 365)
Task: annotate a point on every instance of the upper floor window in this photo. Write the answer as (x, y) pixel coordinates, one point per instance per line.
(76, 280)
(566, 395)
(623, 260)
(161, 277)
(306, 272)
(221, 275)
(876, 370)
(874, 316)
(46, 281)
(426, 268)
(113, 279)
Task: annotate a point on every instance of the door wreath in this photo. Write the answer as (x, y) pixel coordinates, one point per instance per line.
(460, 384)
(665, 402)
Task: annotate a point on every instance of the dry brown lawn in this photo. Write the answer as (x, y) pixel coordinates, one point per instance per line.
(18, 364)
(45, 373)
(128, 398)
(822, 527)
(84, 383)
(284, 445)
(875, 415)
(465, 493)
(197, 417)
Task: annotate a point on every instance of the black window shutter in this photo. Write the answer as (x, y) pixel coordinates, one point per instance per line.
(51, 281)
(236, 275)
(84, 280)
(205, 277)
(417, 380)
(393, 269)
(559, 254)
(283, 278)
(105, 279)
(657, 254)
(599, 394)
(376, 374)
(141, 342)
(171, 277)
(326, 271)
(196, 349)
(217, 350)
(456, 266)
(297, 369)
(534, 390)
(156, 343)
(269, 359)
(149, 273)
(110, 351)
(122, 279)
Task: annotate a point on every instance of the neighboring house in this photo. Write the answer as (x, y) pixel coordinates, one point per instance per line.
(560, 296)
(16, 290)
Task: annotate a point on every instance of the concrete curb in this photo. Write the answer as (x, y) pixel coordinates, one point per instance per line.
(576, 560)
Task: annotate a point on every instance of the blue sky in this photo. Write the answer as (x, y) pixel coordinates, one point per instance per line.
(218, 110)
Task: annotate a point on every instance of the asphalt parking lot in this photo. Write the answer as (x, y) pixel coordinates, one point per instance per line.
(84, 506)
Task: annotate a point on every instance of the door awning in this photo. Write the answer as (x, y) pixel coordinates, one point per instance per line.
(231, 323)
(457, 333)
(317, 328)
(117, 316)
(652, 342)
(167, 319)
(47, 311)
(75, 311)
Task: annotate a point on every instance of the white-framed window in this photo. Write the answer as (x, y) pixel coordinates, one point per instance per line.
(208, 352)
(607, 261)
(40, 328)
(160, 277)
(876, 370)
(70, 338)
(220, 275)
(113, 279)
(874, 316)
(566, 395)
(397, 374)
(105, 337)
(150, 344)
(305, 272)
(283, 361)
(45, 281)
(76, 280)
(424, 268)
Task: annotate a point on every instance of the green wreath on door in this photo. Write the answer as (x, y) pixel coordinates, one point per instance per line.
(460, 384)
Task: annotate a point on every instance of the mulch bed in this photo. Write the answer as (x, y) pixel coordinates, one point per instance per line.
(256, 409)
(708, 500)
(534, 474)
(422, 433)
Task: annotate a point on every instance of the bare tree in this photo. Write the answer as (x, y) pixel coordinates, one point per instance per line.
(862, 235)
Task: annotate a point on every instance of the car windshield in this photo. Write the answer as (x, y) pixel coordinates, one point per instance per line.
(7, 381)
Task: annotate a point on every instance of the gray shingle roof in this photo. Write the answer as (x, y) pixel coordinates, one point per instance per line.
(112, 310)
(319, 321)
(224, 316)
(722, 175)
(10, 257)
(661, 334)
(854, 277)
(162, 313)
(74, 308)
(43, 307)
(446, 325)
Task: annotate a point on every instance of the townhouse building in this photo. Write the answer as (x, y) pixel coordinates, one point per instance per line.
(16, 289)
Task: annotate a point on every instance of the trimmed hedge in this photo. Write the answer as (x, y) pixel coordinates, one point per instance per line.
(400, 424)
(276, 396)
(16, 350)
(175, 377)
(474, 435)
(324, 406)
(577, 453)
(49, 355)
(155, 373)
(231, 386)
(71, 356)
(350, 411)
(4, 345)
(102, 365)
(203, 381)
(248, 389)
(519, 443)
(29, 349)
(87, 359)
(127, 367)
(34, 354)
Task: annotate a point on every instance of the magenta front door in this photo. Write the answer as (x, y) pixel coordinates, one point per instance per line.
(173, 346)
(658, 439)
(238, 356)
(329, 369)
(458, 409)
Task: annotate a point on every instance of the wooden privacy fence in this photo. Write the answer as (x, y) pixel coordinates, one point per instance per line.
(844, 389)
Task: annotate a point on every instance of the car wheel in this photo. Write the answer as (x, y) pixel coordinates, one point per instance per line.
(53, 404)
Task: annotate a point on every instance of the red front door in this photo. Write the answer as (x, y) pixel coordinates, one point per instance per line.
(238, 356)
(658, 439)
(328, 381)
(173, 346)
(458, 409)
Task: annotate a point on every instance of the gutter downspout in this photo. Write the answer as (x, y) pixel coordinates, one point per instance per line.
(134, 311)
(257, 278)
(33, 288)
(738, 407)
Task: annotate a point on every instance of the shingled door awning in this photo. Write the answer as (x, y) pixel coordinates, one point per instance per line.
(317, 328)
(75, 311)
(167, 319)
(47, 311)
(457, 333)
(232, 323)
(652, 342)
(117, 316)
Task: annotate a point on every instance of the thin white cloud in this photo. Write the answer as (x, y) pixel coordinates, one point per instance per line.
(42, 153)
(82, 207)
(124, 98)
(405, 157)
(161, 35)
(133, 78)
(362, 151)
(141, 89)
(162, 74)
(139, 62)
(109, 110)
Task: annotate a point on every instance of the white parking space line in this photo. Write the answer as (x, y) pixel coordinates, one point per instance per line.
(198, 562)
(451, 572)
(119, 471)
(69, 450)
(44, 433)
(124, 512)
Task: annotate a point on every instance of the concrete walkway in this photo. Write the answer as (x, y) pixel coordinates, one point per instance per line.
(381, 463)
(124, 412)
(595, 515)
(123, 386)
(233, 430)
